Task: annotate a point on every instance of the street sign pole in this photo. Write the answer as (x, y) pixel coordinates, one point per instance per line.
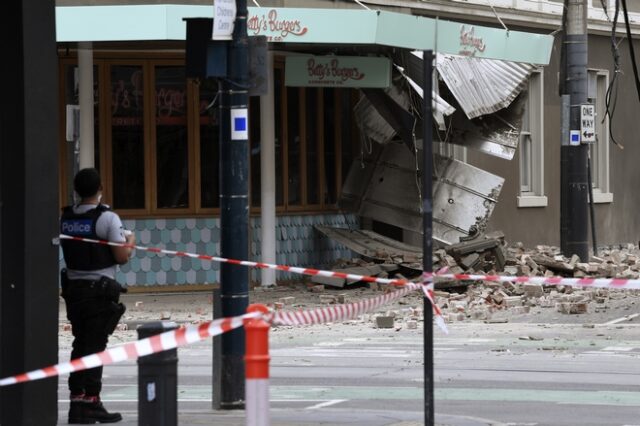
(234, 204)
(573, 155)
(427, 231)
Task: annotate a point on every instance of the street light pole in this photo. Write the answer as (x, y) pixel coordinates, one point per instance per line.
(574, 157)
(234, 206)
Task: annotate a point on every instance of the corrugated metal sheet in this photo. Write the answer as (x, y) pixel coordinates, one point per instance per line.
(372, 123)
(386, 189)
(495, 134)
(439, 105)
(482, 86)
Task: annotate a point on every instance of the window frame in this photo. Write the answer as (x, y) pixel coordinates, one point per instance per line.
(104, 60)
(191, 142)
(533, 194)
(600, 159)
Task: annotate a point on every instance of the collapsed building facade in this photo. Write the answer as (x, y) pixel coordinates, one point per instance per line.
(345, 155)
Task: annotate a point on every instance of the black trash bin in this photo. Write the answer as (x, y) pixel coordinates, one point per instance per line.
(158, 381)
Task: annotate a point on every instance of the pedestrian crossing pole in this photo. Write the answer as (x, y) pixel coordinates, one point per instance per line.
(427, 231)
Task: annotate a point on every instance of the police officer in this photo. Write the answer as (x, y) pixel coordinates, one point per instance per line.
(90, 290)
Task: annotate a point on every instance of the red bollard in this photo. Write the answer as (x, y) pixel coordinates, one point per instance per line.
(257, 368)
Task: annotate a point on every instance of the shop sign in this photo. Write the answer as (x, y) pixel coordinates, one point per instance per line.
(337, 71)
(470, 44)
(275, 26)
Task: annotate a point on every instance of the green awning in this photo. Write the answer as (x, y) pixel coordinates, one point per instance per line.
(301, 25)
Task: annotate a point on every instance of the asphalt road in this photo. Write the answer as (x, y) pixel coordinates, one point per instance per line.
(485, 374)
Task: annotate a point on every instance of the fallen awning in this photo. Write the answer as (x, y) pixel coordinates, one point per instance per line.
(372, 245)
(482, 86)
(487, 88)
(384, 185)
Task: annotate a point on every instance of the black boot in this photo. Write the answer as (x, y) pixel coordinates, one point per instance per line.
(75, 411)
(90, 412)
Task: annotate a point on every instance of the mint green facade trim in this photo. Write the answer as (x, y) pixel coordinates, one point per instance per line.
(326, 26)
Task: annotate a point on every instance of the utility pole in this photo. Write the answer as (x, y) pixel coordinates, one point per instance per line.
(427, 229)
(234, 205)
(574, 154)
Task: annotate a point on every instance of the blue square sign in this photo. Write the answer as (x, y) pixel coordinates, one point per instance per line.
(239, 124)
(574, 137)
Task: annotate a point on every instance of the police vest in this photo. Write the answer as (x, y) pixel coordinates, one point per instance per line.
(83, 256)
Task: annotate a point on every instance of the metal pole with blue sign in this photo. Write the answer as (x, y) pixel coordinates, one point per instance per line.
(230, 16)
(574, 156)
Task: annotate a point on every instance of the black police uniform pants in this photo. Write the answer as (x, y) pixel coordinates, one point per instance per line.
(89, 316)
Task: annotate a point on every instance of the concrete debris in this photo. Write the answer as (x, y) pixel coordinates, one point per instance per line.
(317, 288)
(327, 299)
(572, 308)
(384, 321)
(412, 324)
(492, 301)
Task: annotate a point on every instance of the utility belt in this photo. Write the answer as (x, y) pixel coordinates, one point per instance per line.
(107, 289)
(104, 288)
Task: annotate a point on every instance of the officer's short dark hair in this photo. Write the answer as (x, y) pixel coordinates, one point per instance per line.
(87, 182)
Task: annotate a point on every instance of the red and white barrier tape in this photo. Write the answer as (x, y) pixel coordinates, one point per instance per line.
(132, 350)
(261, 265)
(192, 333)
(427, 288)
(612, 283)
(615, 283)
(351, 310)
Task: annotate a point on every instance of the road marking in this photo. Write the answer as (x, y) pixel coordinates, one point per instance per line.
(326, 404)
(332, 344)
(622, 319)
(618, 348)
(322, 394)
(377, 352)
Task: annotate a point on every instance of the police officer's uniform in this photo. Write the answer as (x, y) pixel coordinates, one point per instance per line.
(90, 290)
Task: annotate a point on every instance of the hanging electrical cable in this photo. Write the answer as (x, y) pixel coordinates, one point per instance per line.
(611, 96)
(631, 48)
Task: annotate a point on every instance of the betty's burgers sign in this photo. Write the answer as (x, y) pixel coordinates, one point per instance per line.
(275, 26)
(337, 71)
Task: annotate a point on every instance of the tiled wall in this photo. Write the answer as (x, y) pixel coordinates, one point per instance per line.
(298, 244)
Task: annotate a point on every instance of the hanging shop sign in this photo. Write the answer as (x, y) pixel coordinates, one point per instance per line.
(337, 71)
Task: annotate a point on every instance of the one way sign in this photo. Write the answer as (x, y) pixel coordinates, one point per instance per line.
(587, 123)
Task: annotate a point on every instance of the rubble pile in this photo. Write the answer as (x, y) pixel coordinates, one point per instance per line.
(490, 255)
